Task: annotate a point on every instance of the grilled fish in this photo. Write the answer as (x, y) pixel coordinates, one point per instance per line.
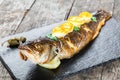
(47, 52)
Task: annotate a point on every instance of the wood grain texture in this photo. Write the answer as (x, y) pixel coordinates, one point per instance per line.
(11, 14)
(45, 12)
(92, 5)
(4, 75)
(87, 75)
(84, 5)
(1, 1)
(111, 71)
(116, 11)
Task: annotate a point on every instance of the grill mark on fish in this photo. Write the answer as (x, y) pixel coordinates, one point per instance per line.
(66, 49)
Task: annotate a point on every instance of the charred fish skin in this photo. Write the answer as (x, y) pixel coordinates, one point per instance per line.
(44, 50)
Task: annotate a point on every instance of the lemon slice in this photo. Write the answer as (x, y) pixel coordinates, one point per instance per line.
(67, 27)
(52, 64)
(63, 29)
(86, 16)
(58, 32)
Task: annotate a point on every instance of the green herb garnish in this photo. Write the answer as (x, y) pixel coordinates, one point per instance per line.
(76, 28)
(51, 37)
(94, 19)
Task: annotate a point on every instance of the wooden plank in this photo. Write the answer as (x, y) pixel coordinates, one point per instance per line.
(116, 13)
(84, 5)
(111, 71)
(91, 5)
(9, 22)
(87, 75)
(15, 5)
(11, 14)
(4, 75)
(45, 12)
(1, 2)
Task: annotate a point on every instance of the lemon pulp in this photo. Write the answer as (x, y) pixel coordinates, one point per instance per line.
(52, 64)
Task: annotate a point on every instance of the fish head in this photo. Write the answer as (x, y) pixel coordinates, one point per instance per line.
(37, 52)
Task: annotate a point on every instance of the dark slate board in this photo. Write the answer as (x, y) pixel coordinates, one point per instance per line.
(104, 48)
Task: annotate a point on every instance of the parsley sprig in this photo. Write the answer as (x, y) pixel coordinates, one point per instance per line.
(94, 19)
(51, 37)
(76, 28)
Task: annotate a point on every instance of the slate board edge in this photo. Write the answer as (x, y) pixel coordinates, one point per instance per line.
(8, 69)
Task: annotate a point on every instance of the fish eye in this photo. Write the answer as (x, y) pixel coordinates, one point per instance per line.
(57, 50)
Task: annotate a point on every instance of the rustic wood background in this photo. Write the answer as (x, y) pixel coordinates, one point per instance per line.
(22, 15)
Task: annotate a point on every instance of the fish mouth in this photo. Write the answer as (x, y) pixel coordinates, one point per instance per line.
(27, 53)
(22, 56)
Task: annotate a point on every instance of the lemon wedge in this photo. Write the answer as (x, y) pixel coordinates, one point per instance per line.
(63, 29)
(52, 64)
(58, 32)
(67, 27)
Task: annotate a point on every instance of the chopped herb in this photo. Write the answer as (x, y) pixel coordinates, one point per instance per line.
(22, 39)
(94, 19)
(52, 37)
(13, 43)
(76, 28)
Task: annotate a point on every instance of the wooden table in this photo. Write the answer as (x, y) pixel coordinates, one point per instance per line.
(22, 15)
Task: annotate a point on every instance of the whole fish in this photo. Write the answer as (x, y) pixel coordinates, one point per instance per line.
(48, 53)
